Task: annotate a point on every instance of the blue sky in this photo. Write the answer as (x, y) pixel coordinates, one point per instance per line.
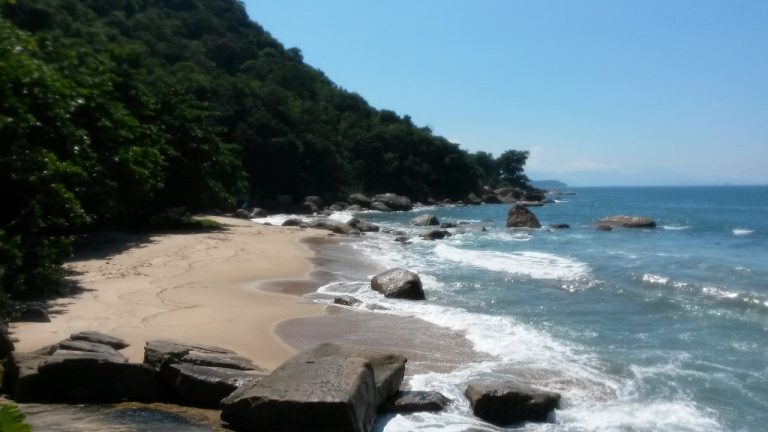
(616, 92)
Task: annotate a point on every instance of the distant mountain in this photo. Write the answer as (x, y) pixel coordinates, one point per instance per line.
(548, 184)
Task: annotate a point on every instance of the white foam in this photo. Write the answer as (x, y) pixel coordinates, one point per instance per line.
(536, 265)
(675, 227)
(277, 219)
(741, 231)
(655, 279)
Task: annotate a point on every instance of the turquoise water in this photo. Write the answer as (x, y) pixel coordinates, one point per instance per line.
(640, 330)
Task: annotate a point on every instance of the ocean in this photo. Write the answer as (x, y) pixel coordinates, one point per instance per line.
(661, 329)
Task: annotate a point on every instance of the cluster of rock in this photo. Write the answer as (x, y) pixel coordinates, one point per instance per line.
(385, 202)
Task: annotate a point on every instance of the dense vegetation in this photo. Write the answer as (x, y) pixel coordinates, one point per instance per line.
(129, 112)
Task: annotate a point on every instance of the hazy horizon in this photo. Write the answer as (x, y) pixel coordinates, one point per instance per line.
(599, 92)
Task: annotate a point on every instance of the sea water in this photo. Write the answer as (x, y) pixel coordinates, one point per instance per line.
(661, 329)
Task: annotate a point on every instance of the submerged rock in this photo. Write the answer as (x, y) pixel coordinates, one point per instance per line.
(435, 234)
(628, 221)
(398, 283)
(346, 300)
(506, 403)
(6, 344)
(416, 401)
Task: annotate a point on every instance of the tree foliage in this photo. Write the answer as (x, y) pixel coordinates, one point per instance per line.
(117, 112)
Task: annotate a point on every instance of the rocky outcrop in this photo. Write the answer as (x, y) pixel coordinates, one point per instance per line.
(398, 283)
(416, 401)
(327, 388)
(624, 221)
(425, 220)
(520, 217)
(395, 202)
(507, 403)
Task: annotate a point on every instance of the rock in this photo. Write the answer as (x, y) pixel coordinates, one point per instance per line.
(519, 216)
(416, 401)
(534, 196)
(99, 338)
(316, 200)
(380, 206)
(508, 402)
(602, 227)
(156, 352)
(560, 226)
(346, 300)
(448, 225)
(402, 239)
(359, 199)
(308, 208)
(509, 193)
(354, 208)
(333, 226)
(259, 213)
(205, 385)
(395, 202)
(6, 344)
(327, 388)
(20, 377)
(80, 377)
(398, 283)
(241, 214)
(84, 346)
(530, 204)
(473, 199)
(628, 221)
(363, 226)
(336, 207)
(425, 220)
(292, 222)
(228, 361)
(32, 314)
(435, 234)
(491, 199)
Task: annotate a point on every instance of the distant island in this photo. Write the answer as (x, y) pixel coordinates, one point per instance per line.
(548, 184)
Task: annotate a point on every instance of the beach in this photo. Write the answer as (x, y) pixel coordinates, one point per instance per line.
(192, 287)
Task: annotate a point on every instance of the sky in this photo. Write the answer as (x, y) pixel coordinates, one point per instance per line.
(615, 92)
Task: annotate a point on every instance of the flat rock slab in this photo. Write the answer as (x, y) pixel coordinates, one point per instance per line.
(99, 338)
(329, 387)
(230, 361)
(507, 403)
(158, 351)
(83, 346)
(204, 385)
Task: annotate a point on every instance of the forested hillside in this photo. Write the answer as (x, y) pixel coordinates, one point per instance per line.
(118, 113)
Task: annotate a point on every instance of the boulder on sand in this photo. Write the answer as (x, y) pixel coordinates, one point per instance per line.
(625, 221)
(327, 388)
(398, 283)
(507, 403)
(520, 217)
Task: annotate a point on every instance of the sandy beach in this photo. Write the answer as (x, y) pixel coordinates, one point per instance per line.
(197, 287)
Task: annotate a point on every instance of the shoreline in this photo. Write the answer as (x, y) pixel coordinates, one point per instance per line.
(210, 288)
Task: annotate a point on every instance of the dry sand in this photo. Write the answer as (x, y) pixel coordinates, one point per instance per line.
(200, 288)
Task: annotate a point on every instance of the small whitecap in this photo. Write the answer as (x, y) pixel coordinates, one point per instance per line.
(741, 231)
(675, 227)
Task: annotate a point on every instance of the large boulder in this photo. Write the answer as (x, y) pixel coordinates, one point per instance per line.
(328, 388)
(507, 403)
(625, 221)
(519, 216)
(362, 225)
(425, 220)
(79, 377)
(395, 202)
(359, 199)
(398, 283)
(380, 206)
(205, 385)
